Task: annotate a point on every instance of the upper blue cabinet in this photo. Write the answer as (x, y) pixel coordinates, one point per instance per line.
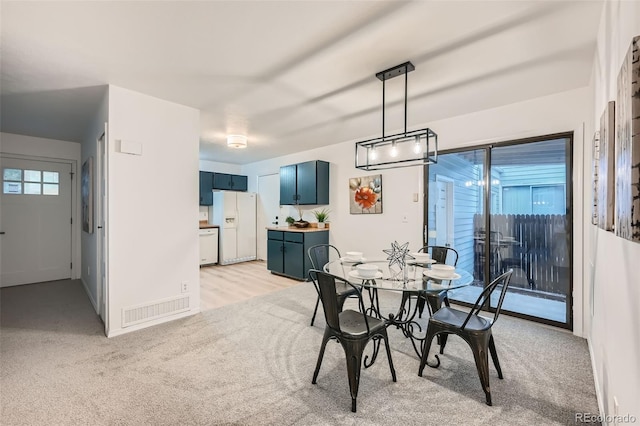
(212, 180)
(229, 182)
(206, 188)
(304, 183)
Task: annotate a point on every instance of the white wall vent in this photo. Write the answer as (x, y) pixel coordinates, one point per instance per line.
(161, 308)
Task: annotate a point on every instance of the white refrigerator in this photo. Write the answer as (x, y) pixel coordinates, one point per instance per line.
(235, 213)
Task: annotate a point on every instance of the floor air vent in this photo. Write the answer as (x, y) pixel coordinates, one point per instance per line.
(162, 308)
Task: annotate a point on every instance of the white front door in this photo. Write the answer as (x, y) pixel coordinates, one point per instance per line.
(35, 204)
(268, 209)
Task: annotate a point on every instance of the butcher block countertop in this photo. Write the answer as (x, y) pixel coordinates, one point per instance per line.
(205, 225)
(294, 229)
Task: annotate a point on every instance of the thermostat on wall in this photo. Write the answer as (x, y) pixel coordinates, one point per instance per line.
(129, 147)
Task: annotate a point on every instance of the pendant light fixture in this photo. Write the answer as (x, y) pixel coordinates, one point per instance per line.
(414, 148)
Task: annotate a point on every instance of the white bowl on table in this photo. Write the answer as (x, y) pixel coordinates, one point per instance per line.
(367, 270)
(421, 257)
(353, 256)
(443, 270)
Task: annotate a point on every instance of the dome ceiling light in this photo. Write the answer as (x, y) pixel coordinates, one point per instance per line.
(236, 141)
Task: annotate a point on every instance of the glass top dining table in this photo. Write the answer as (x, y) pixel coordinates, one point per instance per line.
(416, 280)
(416, 277)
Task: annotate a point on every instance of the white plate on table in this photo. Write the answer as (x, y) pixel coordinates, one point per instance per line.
(420, 262)
(355, 274)
(437, 276)
(345, 260)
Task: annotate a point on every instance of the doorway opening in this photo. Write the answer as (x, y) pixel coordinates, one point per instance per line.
(512, 209)
(36, 217)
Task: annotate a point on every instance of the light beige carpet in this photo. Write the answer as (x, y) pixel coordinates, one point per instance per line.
(252, 363)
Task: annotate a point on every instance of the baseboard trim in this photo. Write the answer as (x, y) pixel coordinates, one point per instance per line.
(595, 378)
(93, 302)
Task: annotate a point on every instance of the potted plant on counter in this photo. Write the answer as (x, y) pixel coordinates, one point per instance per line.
(290, 220)
(321, 216)
(300, 223)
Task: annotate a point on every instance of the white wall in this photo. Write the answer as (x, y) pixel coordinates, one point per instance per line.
(215, 166)
(55, 149)
(153, 204)
(612, 262)
(89, 255)
(370, 234)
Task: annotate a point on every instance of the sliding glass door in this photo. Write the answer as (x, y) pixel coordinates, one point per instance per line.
(508, 206)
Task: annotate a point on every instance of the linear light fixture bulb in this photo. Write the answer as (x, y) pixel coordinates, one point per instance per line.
(373, 154)
(394, 150)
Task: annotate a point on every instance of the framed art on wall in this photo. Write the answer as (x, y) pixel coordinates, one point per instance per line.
(627, 211)
(606, 168)
(86, 187)
(595, 158)
(365, 195)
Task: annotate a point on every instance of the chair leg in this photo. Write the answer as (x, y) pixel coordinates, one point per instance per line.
(494, 356)
(479, 349)
(353, 350)
(425, 349)
(443, 341)
(315, 311)
(386, 345)
(442, 338)
(325, 339)
(420, 302)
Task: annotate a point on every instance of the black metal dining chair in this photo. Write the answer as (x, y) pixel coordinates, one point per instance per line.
(320, 255)
(351, 328)
(473, 329)
(443, 255)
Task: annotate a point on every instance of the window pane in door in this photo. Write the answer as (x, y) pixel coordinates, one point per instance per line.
(12, 174)
(533, 229)
(455, 211)
(32, 188)
(32, 176)
(50, 177)
(50, 189)
(12, 188)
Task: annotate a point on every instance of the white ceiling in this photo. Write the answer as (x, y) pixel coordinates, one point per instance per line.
(291, 75)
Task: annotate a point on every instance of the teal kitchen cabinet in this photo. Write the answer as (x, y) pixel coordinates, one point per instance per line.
(304, 183)
(287, 251)
(206, 188)
(229, 182)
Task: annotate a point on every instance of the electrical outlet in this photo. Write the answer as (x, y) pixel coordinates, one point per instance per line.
(184, 287)
(405, 219)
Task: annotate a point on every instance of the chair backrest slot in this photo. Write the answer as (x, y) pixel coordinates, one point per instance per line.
(485, 296)
(442, 254)
(326, 285)
(321, 254)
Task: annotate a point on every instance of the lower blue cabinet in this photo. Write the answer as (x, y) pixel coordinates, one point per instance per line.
(287, 251)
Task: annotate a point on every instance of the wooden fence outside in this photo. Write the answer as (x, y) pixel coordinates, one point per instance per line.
(543, 247)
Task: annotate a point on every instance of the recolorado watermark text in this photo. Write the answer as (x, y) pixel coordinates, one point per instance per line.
(604, 419)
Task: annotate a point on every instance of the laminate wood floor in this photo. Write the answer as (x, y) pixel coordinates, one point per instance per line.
(224, 285)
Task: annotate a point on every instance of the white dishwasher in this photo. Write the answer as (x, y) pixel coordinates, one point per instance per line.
(208, 246)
